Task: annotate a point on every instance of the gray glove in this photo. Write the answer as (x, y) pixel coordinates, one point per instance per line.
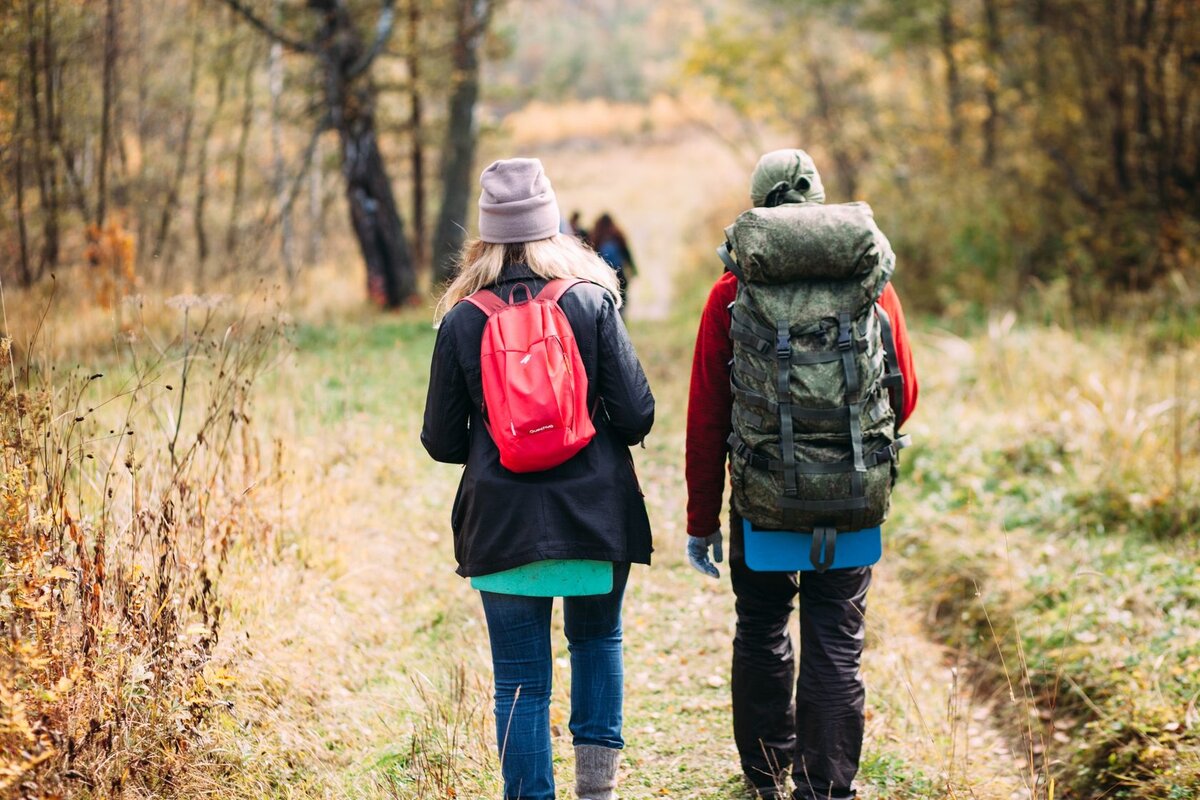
(697, 553)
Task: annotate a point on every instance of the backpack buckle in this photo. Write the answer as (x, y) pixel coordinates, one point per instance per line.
(783, 340)
(844, 342)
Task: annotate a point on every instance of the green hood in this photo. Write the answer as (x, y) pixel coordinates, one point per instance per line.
(786, 176)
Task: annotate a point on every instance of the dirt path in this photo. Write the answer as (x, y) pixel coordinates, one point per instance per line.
(361, 661)
(655, 192)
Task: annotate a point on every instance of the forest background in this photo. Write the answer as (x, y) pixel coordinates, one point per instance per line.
(224, 225)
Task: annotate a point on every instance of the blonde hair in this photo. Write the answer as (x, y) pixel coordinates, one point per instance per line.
(560, 256)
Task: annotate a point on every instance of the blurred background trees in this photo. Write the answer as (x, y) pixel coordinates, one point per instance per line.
(1003, 143)
(197, 128)
(1008, 146)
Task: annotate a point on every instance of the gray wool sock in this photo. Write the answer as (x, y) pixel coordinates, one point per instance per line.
(596, 772)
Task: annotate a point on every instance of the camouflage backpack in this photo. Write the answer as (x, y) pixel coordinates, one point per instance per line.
(816, 385)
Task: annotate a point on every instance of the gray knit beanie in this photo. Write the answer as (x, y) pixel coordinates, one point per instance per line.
(786, 176)
(517, 203)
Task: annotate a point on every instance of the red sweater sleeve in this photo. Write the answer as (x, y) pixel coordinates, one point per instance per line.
(891, 304)
(710, 403)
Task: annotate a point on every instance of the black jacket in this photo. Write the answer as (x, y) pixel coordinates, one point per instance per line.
(590, 507)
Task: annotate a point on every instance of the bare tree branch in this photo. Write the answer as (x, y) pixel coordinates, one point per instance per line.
(383, 32)
(287, 41)
(306, 161)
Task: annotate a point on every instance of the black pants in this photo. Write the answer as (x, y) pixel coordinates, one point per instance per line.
(819, 733)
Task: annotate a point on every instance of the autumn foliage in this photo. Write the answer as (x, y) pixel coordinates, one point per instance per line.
(122, 496)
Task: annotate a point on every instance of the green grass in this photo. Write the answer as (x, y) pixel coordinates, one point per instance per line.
(1051, 527)
(1037, 535)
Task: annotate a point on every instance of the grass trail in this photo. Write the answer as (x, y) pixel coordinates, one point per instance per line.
(363, 658)
(363, 668)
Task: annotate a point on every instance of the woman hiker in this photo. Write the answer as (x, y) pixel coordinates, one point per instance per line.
(609, 241)
(589, 507)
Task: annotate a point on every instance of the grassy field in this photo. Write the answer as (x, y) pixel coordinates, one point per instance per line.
(1034, 615)
(1032, 629)
(364, 668)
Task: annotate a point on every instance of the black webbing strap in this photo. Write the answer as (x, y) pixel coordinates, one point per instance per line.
(760, 462)
(783, 388)
(824, 546)
(764, 347)
(762, 340)
(893, 379)
(726, 254)
(761, 331)
(817, 357)
(854, 403)
(741, 333)
(849, 504)
(749, 398)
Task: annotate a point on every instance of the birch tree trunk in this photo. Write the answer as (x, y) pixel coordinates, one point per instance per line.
(275, 83)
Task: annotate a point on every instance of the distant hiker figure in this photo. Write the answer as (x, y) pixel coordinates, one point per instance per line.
(581, 233)
(536, 388)
(609, 241)
(796, 383)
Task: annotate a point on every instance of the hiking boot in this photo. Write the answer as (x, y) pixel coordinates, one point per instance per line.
(596, 772)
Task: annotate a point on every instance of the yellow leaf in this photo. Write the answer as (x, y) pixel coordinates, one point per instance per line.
(61, 573)
(222, 677)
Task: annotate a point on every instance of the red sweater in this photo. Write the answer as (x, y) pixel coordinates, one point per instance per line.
(710, 401)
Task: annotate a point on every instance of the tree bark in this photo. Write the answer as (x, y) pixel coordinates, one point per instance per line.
(202, 248)
(374, 215)
(239, 160)
(953, 85)
(27, 276)
(41, 107)
(50, 202)
(106, 109)
(458, 155)
(141, 211)
(312, 249)
(1118, 135)
(991, 85)
(416, 131)
(847, 169)
(54, 69)
(275, 84)
(349, 97)
(171, 203)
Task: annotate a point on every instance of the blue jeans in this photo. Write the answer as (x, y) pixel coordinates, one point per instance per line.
(519, 629)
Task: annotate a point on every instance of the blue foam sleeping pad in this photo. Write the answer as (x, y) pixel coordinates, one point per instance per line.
(550, 578)
(790, 551)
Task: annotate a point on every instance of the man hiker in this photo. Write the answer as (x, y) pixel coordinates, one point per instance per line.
(741, 361)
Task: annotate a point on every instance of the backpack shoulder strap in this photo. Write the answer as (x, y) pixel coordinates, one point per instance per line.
(486, 301)
(555, 289)
(726, 254)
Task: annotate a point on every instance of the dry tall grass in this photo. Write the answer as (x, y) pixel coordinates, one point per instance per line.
(125, 486)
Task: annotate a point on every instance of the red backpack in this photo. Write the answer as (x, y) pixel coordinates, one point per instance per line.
(534, 385)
